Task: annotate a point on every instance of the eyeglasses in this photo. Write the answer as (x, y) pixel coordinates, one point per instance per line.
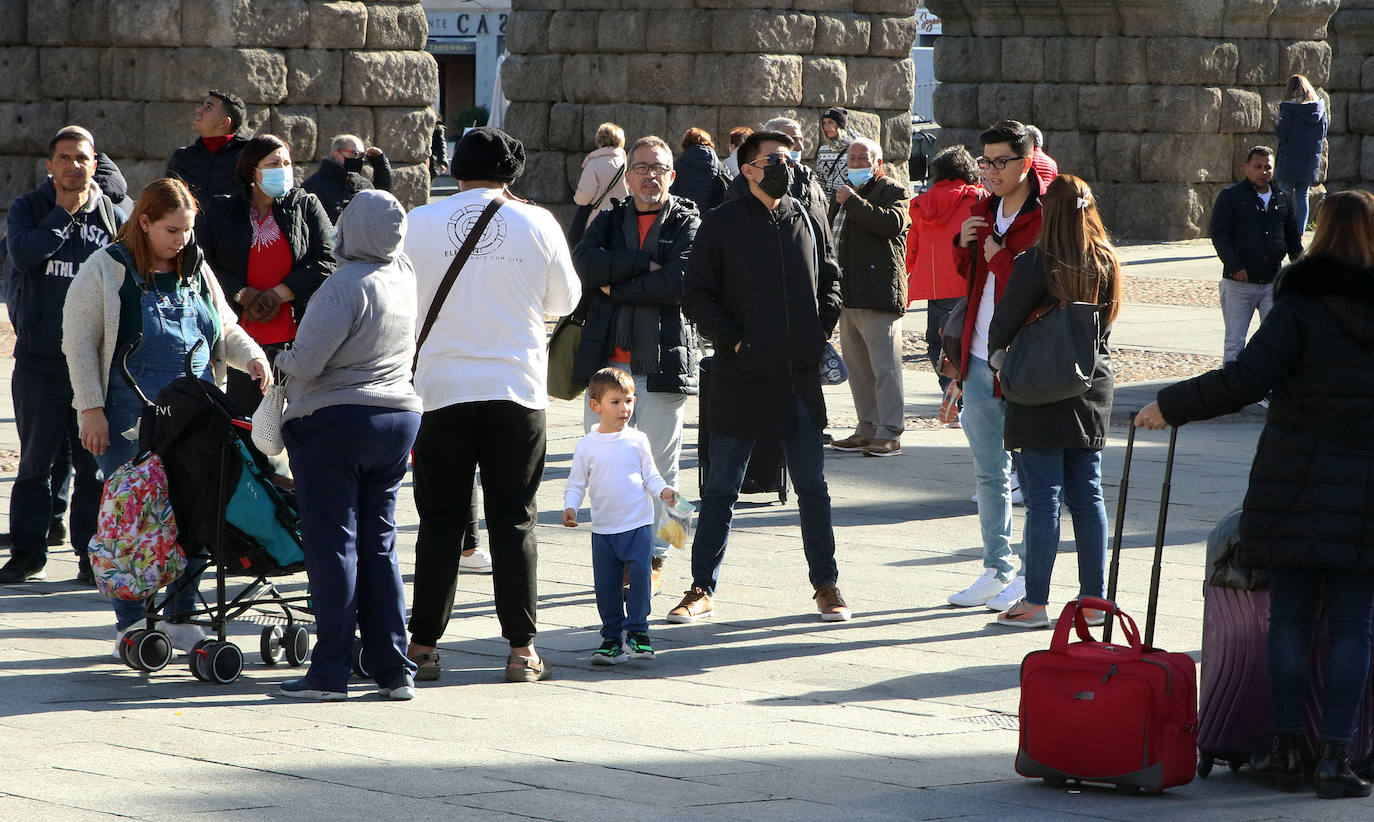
(770, 160)
(998, 163)
(656, 169)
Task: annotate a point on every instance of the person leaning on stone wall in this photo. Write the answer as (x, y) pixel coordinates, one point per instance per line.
(340, 174)
(208, 166)
(600, 168)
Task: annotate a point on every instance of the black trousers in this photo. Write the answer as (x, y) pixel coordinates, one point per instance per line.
(506, 441)
(244, 391)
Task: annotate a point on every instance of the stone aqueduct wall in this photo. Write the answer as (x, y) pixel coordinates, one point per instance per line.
(132, 70)
(662, 66)
(1153, 102)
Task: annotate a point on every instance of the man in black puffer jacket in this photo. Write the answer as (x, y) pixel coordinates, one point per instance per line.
(340, 174)
(207, 165)
(632, 260)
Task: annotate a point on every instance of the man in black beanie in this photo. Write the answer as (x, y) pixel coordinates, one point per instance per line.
(482, 373)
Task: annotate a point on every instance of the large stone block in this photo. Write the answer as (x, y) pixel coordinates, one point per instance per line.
(1346, 72)
(1352, 30)
(1306, 58)
(260, 74)
(824, 81)
(1091, 18)
(678, 30)
(1367, 159)
(1118, 153)
(1191, 60)
(1075, 152)
(1106, 108)
(395, 78)
(404, 133)
(1241, 110)
(956, 105)
(1161, 18)
(1042, 18)
(314, 76)
(280, 24)
(331, 121)
(18, 73)
(1360, 113)
(1153, 211)
(1259, 63)
(592, 78)
(396, 26)
(1121, 60)
(1055, 103)
(1272, 97)
(544, 179)
(258, 121)
(820, 5)
(139, 173)
(966, 137)
(528, 122)
(532, 77)
(565, 126)
(1301, 19)
(886, 6)
(681, 118)
(771, 79)
(842, 34)
(877, 83)
(527, 32)
(134, 74)
(296, 125)
(14, 33)
(573, 32)
(90, 24)
(167, 127)
(49, 23)
(116, 125)
(340, 24)
(1185, 158)
(637, 120)
(994, 18)
(1343, 157)
(861, 124)
(1179, 109)
(144, 22)
(756, 116)
(662, 78)
(892, 36)
(1023, 59)
(1005, 101)
(768, 32)
(410, 185)
(16, 177)
(896, 136)
(1070, 59)
(210, 22)
(1337, 109)
(68, 73)
(29, 127)
(968, 59)
(621, 31)
(1247, 18)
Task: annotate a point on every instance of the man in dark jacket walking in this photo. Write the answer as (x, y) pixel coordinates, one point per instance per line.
(871, 226)
(1253, 226)
(763, 285)
(632, 260)
(340, 174)
(207, 165)
(51, 231)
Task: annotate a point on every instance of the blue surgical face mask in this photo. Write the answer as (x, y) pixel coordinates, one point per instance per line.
(796, 156)
(859, 176)
(275, 182)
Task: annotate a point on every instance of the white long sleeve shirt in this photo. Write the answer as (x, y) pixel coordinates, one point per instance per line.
(489, 341)
(616, 472)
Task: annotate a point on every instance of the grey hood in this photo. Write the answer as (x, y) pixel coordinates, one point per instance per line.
(370, 229)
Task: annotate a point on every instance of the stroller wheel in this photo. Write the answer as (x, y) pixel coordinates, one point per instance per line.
(359, 663)
(224, 662)
(271, 645)
(196, 659)
(152, 651)
(297, 642)
(127, 646)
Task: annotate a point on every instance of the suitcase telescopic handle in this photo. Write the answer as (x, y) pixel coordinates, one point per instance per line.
(1115, 569)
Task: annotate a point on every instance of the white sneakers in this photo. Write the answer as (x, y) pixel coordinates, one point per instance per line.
(981, 591)
(1015, 590)
(184, 635)
(478, 562)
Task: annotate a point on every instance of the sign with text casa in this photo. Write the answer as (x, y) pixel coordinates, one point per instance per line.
(465, 24)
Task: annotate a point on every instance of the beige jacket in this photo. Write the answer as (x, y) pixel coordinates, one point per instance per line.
(90, 326)
(598, 169)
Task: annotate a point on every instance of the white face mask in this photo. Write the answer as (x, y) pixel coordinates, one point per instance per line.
(275, 182)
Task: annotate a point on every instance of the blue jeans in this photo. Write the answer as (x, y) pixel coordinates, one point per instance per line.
(1293, 592)
(806, 467)
(611, 554)
(983, 421)
(1298, 191)
(1076, 473)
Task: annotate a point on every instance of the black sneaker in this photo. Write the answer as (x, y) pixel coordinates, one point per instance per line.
(16, 571)
(639, 646)
(610, 653)
(57, 532)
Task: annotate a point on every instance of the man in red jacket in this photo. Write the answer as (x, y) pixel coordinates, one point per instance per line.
(999, 228)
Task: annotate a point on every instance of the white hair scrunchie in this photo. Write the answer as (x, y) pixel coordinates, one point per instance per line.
(1081, 203)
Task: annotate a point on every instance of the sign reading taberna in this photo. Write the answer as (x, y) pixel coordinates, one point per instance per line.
(465, 24)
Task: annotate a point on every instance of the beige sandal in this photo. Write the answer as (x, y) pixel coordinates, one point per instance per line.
(427, 666)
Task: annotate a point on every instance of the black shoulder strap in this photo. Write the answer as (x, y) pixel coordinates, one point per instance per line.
(454, 268)
(619, 172)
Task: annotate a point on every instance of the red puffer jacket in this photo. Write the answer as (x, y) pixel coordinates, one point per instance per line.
(936, 216)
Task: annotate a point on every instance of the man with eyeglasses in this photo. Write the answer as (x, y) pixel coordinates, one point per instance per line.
(999, 228)
(762, 283)
(340, 174)
(804, 188)
(632, 260)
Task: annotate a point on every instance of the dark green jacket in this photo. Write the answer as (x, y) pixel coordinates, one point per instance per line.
(872, 247)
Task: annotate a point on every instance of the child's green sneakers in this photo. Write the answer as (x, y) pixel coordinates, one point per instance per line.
(610, 653)
(639, 647)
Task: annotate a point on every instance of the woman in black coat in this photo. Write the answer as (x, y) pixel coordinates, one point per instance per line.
(700, 175)
(1061, 443)
(1309, 510)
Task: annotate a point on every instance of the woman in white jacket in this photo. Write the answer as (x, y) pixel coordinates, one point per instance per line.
(603, 175)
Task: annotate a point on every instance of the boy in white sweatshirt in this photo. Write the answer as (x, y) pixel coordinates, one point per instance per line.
(613, 467)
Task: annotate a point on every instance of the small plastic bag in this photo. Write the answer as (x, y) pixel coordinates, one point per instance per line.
(677, 530)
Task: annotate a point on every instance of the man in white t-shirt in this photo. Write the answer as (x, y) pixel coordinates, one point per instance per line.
(482, 373)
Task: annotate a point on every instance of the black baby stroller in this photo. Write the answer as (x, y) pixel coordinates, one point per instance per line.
(232, 510)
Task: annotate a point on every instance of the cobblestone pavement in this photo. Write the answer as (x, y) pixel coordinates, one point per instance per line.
(762, 713)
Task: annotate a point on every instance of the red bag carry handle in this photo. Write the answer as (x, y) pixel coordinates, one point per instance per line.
(1073, 615)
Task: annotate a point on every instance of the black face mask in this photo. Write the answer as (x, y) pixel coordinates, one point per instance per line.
(353, 164)
(777, 179)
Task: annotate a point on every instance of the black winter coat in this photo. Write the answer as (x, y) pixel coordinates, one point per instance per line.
(872, 246)
(756, 278)
(224, 232)
(1078, 422)
(336, 187)
(609, 254)
(208, 175)
(1247, 235)
(1310, 503)
(700, 177)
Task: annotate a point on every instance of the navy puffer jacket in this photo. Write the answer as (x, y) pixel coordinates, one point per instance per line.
(1301, 130)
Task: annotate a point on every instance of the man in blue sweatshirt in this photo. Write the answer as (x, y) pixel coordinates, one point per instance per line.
(51, 231)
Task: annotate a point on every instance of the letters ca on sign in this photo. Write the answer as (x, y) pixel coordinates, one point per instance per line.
(462, 24)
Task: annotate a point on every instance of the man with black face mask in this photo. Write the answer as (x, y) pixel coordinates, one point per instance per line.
(340, 175)
(762, 283)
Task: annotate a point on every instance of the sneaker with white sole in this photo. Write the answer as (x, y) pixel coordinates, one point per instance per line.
(1010, 594)
(1024, 615)
(184, 635)
(983, 589)
(301, 689)
(478, 562)
(400, 690)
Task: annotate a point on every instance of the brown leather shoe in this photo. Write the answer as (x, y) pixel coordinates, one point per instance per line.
(883, 448)
(655, 575)
(852, 443)
(695, 605)
(831, 604)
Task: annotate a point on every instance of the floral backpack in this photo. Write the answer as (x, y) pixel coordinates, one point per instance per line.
(135, 551)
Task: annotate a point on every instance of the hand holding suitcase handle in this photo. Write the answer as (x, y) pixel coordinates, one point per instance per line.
(1073, 615)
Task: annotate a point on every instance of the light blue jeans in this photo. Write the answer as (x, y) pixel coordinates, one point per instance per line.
(1239, 302)
(983, 422)
(1298, 191)
(1076, 474)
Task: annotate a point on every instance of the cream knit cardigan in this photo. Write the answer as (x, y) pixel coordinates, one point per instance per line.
(90, 326)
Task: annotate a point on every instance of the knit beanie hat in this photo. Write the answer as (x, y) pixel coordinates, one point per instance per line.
(839, 115)
(488, 154)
